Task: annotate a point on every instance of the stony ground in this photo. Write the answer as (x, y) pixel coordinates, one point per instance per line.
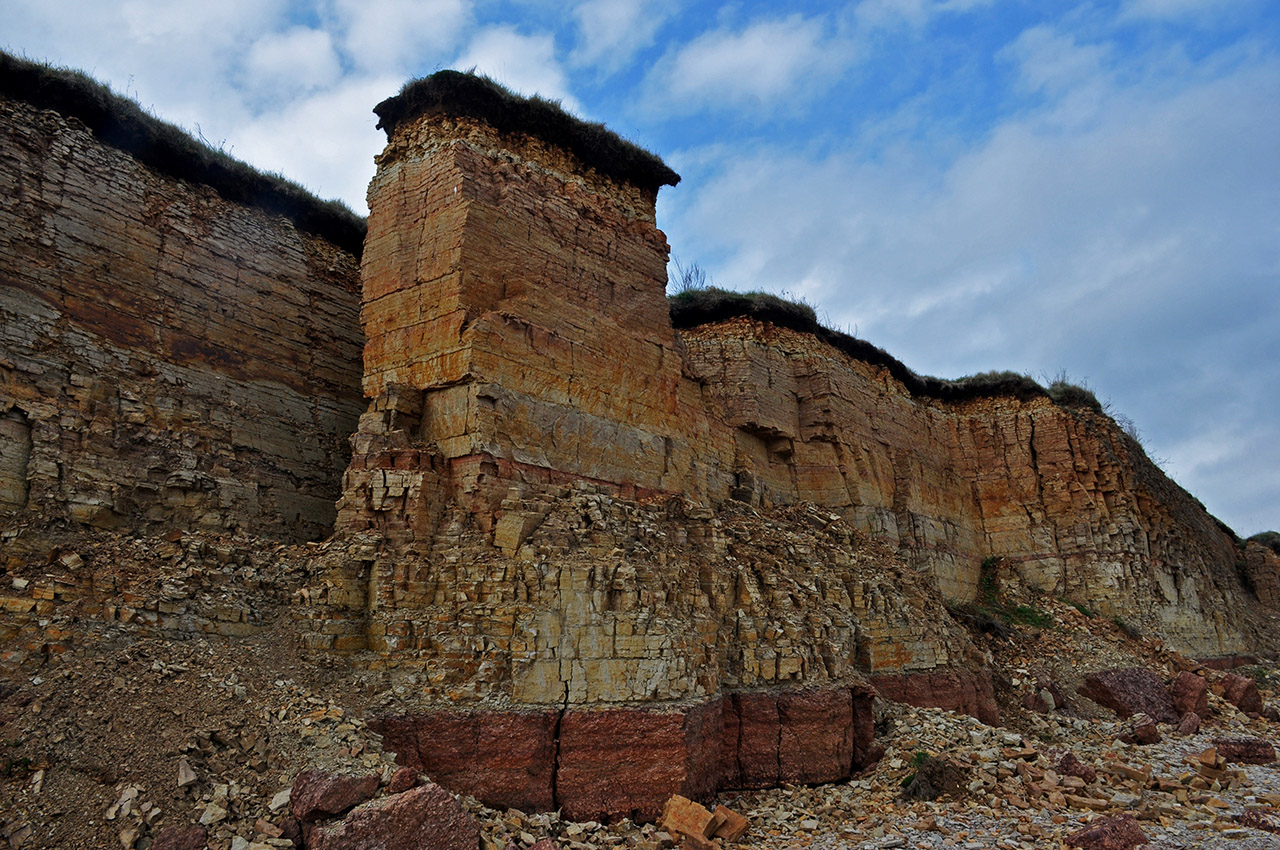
(170, 688)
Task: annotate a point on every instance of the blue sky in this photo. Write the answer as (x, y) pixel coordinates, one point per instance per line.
(1090, 188)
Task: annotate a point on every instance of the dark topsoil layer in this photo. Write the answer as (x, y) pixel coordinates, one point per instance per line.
(458, 94)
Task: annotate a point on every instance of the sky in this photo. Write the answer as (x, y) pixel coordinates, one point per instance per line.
(1056, 188)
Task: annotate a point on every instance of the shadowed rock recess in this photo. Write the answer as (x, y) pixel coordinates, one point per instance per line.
(603, 558)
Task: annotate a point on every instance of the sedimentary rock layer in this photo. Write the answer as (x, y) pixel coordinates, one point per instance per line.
(1055, 499)
(612, 763)
(167, 358)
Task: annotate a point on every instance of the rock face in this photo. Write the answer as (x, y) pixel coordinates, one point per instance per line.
(1064, 501)
(422, 818)
(167, 358)
(606, 560)
(561, 509)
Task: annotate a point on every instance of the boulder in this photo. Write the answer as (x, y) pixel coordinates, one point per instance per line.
(1069, 765)
(174, 837)
(1129, 691)
(317, 794)
(1116, 833)
(1143, 731)
(1245, 750)
(1240, 691)
(1189, 724)
(1190, 694)
(402, 780)
(422, 818)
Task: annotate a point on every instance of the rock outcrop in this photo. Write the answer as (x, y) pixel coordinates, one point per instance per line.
(563, 509)
(168, 358)
(603, 558)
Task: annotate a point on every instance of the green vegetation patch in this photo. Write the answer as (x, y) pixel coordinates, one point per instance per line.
(122, 124)
(461, 94)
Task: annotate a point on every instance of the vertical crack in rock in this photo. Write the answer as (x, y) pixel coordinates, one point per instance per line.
(555, 750)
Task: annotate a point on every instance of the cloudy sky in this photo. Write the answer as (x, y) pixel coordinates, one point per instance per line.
(971, 184)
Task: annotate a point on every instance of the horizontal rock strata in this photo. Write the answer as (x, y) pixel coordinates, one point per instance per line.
(167, 358)
(640, 547)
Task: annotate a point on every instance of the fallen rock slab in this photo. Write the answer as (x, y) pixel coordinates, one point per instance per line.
(422, 818)
(1129, 691)
(193, 837)
(1190, 694)
(317, 794)
(1241, 692)
(1189, 724)
(1115, 833)
(1245, 750)
(1070, 765)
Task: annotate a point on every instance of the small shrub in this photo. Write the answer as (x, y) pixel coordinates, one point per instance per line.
(1263, 676)
(1128, 628)
(1027, 615)
(690, 278)
(1083, 609)
(1066, 394)
(988, 580)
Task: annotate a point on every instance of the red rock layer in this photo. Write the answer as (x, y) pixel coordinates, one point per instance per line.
(626, 762)
(964, 691)
(169, 358)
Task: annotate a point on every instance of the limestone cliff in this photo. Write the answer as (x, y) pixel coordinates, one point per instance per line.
(563, 513)
(168, 358)
(659, 558)
(1062, 498)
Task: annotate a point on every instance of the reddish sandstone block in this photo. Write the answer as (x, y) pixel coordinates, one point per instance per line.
(682, 815)
(815, 741)
(628, 762)
(733, 827)
(501, 758)
(966, 691)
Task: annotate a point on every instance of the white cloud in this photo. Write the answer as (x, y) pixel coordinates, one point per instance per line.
(1171, 9)
(916, 13)
(1052, 61)
(524, 63)
(292, 62)
(327, 139)
(613, 31)
(392, 36)
(766, 64)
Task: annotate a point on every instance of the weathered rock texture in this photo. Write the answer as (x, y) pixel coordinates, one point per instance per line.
(619, 561)
(1068, 503)
(167, 357)
(605, 560)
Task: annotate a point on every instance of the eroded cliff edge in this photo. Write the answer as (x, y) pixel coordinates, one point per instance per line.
(172, 355)
(659, 558)
(564, 514)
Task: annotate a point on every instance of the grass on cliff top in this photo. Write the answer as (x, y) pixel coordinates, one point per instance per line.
(700, 306)
(121, 123)
(471, 95)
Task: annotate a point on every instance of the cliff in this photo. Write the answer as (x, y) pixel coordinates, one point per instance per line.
(600, 556)
(567, 515)
(169, 357)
